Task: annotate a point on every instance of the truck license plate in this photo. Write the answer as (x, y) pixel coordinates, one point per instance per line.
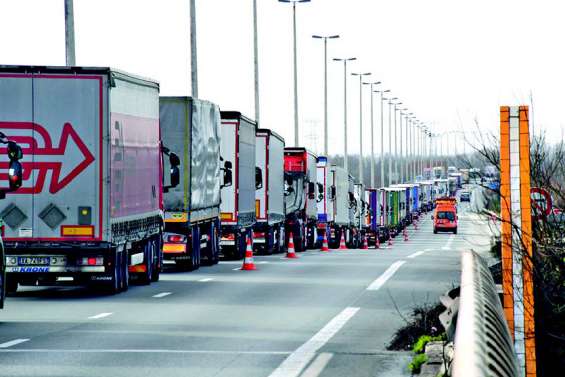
(34, 261)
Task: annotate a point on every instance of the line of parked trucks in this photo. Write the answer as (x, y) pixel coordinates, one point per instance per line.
(119, 181)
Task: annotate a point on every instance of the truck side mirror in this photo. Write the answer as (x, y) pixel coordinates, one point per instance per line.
(15, 173)
(311, 190)
(228, 176)
(320, 192)
(174, 160)
(258, 178)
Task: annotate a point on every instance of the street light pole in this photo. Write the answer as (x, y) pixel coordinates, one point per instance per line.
(401, 158)
(69, 34)
(296, 143)
(407, 147)
(382, 182)
(325, 38)
(361, 122)
(345, 60)
(193, 50)
(372, 133)
(396, 143)
(390, 140)
(256, 64)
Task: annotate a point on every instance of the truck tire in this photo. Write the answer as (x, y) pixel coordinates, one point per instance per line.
(2, 289)
(455, 231)
(124, 279)
(158, 259)
(435, 231)
(114, 285)
(148, 255)
(11, 286)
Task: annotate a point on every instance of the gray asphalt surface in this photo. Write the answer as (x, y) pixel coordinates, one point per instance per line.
(310, 317)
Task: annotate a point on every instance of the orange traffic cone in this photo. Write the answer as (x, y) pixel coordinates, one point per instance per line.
(416, 224)
(325, 247)
(291, 253)
(389, 240)
(377, 242)
(365, 244)
(248, 264)
(342, 245)
(405, 235)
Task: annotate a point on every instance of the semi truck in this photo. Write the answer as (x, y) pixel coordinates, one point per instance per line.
(268, 231)
(240, 181)
(191, 129)
(338, 206)
(325, 206)
(371, 216)
(360, 213)
(90, 209)
(301, 197)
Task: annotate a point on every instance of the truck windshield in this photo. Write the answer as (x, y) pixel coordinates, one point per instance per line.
(444, 215)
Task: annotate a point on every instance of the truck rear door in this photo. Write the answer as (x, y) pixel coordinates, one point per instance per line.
(60, 199)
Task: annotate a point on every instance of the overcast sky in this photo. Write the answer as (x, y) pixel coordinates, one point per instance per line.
(450, 62)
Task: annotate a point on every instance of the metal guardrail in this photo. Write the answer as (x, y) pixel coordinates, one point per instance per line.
(483, 346)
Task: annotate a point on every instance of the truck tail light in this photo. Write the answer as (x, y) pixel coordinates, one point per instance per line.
(176, 238)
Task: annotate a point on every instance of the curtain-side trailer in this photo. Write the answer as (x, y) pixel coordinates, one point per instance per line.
(268, 231)
(360, 213)
(371, 216)
(325, 210)
(338, 206)
(191, 128)
(91, 206)
(237, 208)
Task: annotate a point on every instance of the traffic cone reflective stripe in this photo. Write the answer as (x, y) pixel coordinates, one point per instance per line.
(325, 246)
(248, 264)
(291, 253)
(405, 235)
(389, 240)
(365, 244)
(342, 245)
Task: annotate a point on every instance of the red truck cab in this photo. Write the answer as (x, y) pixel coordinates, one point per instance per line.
(445, 216)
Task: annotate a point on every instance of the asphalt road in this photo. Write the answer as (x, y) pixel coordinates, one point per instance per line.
(324, 314)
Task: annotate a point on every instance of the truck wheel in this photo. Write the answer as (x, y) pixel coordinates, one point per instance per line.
(124, 281)
(11, 286)
(455, 231)
(115, 284)
(145, 277)
(435, 231)
(2, 289)
(158, 259)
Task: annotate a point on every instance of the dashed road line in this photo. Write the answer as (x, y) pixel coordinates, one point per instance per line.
(13, 343)
(381, 280)
(448, 244)
(205, 280)
(101, 315)
(416, 254)
(162, 294)
(296, 361)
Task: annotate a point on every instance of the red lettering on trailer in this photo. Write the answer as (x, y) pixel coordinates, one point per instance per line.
(32, 148)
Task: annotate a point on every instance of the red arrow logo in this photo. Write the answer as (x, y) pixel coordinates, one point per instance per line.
(31, 147)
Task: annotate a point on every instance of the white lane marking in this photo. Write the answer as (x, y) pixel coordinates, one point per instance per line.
(236, 269)
(428, 250)
(205, 280)
(101, 315)
(416, 254)
(296, 361)
(381, 280)
(13, 343)
(448, 244)
(162, 294)
(46, 350)
(262, 262)
(318, 365)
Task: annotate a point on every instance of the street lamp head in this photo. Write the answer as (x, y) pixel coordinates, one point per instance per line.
(360, 74)
(294, 1)
(325, 37)
(344, 59)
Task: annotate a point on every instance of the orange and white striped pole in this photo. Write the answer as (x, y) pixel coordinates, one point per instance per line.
(516, 233)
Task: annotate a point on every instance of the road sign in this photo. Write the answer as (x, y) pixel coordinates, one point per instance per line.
(541, 201)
